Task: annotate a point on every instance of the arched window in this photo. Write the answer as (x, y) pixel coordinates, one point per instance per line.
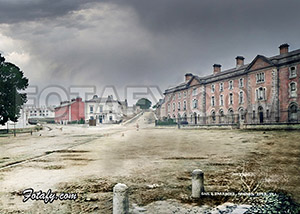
(221, 112)
(241, 114)
(231, 116)
(221, 118)
(293, 112)
(261, 93)
(213, 116)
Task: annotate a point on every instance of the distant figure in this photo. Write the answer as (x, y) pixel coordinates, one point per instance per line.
(137, 126)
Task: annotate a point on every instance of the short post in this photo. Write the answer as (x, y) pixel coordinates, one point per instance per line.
(120, 199)
(197, 183)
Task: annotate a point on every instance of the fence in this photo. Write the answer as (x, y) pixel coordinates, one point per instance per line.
(266, 117)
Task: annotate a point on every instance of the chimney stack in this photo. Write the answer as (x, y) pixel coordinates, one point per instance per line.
(188, 76)
(284, 48)
(217, 68)
(239, 61)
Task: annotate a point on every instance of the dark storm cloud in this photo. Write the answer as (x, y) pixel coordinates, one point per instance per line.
(13, 11)
(127, 42)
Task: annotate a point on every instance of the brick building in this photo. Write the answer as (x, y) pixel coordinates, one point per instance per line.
(70, 111)
(267, 90)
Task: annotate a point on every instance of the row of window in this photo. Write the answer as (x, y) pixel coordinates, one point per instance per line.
(230, 85)
(39, 111)
(260, 92)
(179, 106)
(34, 115)
(230, 100)
(92, 109)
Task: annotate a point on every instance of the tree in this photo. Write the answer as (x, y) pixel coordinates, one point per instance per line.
(144, 103)
(12, 80)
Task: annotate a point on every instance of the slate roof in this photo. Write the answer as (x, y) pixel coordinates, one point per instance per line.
(278, 60)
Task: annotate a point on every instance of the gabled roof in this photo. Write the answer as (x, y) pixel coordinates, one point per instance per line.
(265, 59)
(278, 60)
(183, 85)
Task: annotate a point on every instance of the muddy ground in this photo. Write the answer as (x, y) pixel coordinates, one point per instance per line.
(156, 164)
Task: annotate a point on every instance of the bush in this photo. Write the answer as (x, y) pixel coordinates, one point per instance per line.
(167, 122)
(81, 121)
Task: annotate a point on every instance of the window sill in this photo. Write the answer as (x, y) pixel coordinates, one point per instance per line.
(292, 77)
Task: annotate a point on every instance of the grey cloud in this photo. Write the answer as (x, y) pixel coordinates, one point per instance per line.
(14, 11)
(145, 42)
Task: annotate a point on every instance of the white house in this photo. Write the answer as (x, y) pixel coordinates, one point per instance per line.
(105, 110)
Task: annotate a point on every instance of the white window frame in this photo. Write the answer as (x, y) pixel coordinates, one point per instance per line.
(241, 101)
(221, 102)
(241, 82)
(178, 107)
(184, 105)
(260, 77)
(194, 91)
(195, 103)
(213, 88)
(213, 101)
(91, 109)
(230, 100)
(293, 93)
(169, 107)
(290, 72)
(230, 85)
(179, 95)
(184, 94)
(261, 95)
(174, 106)
(221, 85)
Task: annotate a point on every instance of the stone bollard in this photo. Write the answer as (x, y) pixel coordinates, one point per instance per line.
(120, 199)
(197, 183)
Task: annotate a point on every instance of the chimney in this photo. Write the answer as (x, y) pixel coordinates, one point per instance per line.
(284, 48)
(78, 99)
(188, 76)
(239, 61)
(217, 68)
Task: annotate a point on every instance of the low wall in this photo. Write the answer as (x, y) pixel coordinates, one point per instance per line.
(210, 126)
(275, 126)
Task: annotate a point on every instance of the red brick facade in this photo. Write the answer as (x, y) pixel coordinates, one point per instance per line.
(267, 90)
(70, 111)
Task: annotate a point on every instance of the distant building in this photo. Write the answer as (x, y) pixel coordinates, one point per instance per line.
(267, 90)
(159, 108)
(39, 114)
(69, 111)
(105, 110)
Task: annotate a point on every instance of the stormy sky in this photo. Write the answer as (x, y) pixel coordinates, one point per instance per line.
(135, 43)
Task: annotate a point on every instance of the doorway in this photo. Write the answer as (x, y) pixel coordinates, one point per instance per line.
(261, 114)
